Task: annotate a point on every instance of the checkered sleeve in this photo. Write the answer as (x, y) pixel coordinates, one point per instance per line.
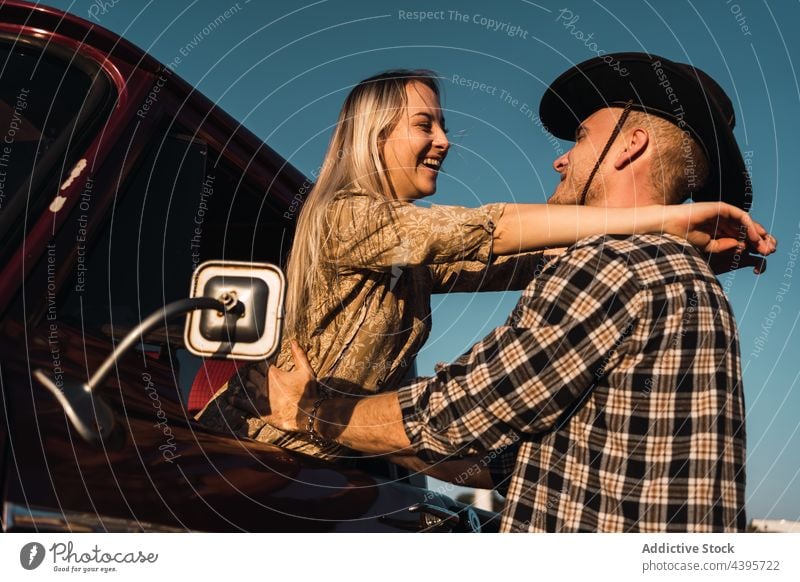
(530, 374)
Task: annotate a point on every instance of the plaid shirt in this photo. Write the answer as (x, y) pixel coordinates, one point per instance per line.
(612, 396)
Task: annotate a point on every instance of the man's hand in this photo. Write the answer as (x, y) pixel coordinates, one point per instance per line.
(372, 425)
(291, 394)
(247, 391)
(716, 227)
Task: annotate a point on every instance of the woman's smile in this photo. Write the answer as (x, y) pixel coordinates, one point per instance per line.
(415, 149)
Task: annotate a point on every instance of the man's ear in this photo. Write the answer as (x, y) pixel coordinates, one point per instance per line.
(635, 145)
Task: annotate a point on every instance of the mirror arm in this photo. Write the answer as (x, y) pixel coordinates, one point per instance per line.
(89, 413)
(153, 321)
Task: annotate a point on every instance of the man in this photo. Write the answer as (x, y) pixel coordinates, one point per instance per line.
(612, 398)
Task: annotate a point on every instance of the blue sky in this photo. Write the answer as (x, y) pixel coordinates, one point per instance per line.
(283, 69)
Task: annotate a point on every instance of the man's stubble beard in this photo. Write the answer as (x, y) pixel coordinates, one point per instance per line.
(571, 195)
(564, 197)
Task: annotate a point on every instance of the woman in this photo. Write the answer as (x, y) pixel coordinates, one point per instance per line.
(365, 260)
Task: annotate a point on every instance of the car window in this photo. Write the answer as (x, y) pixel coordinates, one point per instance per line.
(142, 258)
(52, 102)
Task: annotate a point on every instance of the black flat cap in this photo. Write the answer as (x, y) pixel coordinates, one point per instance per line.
(680, 93)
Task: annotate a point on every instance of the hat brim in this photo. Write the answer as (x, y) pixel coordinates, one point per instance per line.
(679, 93)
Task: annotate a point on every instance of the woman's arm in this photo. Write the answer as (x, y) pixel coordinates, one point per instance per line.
(710, 226)
(372, 233)
(503, 273)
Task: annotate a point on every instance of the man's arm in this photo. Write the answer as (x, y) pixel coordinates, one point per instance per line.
(521, 379)
(373, 424)
(357, 422)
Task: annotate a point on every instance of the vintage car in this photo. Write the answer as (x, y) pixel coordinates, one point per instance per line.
(117, 179)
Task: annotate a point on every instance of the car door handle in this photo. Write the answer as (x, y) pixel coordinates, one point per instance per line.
(436, 517)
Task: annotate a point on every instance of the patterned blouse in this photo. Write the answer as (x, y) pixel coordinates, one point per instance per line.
(383, 260)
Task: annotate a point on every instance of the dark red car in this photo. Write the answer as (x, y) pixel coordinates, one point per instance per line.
(117, 179)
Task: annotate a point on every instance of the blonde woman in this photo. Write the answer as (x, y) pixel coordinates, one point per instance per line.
(365, 259)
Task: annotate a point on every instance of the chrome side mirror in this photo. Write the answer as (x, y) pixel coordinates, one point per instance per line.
(250, 326)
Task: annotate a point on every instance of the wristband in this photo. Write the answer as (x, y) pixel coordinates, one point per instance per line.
(313, 435)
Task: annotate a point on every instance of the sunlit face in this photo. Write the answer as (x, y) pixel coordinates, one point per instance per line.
(414, 150)
(576, 165)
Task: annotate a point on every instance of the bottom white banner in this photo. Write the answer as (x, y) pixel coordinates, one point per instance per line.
(352, 557)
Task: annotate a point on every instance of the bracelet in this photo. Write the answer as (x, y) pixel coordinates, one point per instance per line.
(313, 435)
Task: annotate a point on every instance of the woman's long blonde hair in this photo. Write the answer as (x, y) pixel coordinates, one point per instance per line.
(354, 161)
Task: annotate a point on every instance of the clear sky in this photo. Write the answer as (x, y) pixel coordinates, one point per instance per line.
(283, 69)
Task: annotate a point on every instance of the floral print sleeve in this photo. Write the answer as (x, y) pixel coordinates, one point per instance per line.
(506, 273)
(368, 232)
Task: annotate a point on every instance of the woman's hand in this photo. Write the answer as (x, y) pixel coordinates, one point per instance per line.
(735, 259)
(291, 394)
(716, 227)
